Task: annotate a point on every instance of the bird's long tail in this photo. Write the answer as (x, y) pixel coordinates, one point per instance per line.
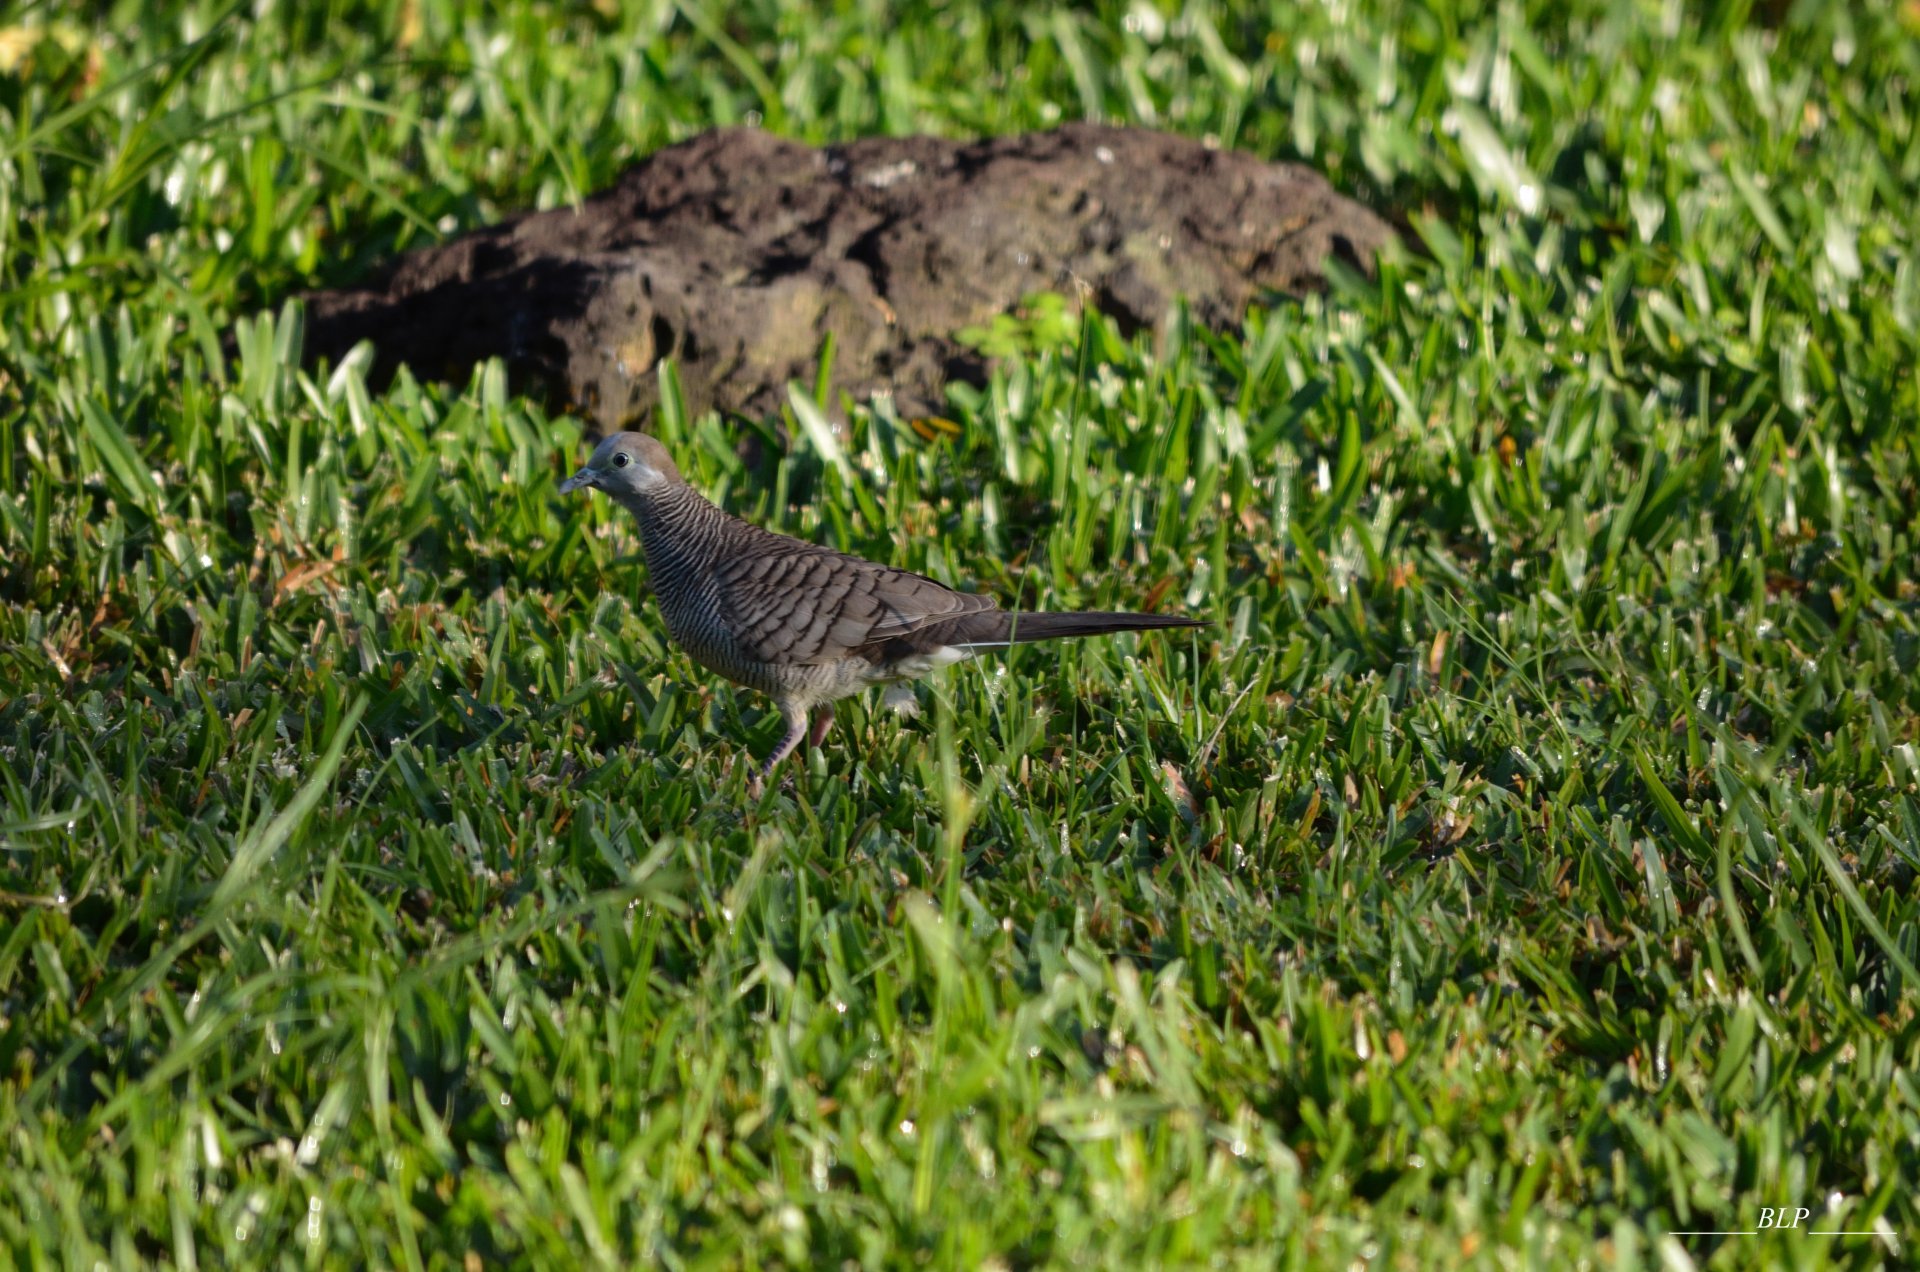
(996, 629)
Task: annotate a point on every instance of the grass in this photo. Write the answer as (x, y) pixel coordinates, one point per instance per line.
(1520, 870)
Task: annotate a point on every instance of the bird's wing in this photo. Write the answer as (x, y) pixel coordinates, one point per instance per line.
(795, 603)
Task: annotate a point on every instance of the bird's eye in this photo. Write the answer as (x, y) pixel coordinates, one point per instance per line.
(619, 461)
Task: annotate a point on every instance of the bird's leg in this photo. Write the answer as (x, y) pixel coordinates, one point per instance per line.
(796, 722)
(822, 724)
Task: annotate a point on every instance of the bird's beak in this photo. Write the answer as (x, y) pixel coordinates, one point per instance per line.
(585, 478)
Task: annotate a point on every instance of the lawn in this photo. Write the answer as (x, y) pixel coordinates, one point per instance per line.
(1520, 869)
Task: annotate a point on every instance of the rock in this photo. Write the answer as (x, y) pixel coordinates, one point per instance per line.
(737, 252)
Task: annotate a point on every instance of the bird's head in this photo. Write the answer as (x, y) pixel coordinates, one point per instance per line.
(626, 464)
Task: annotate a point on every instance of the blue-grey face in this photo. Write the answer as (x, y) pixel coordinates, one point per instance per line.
(625, 464)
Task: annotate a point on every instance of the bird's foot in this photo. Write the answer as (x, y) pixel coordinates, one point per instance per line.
(756, 775)
(761, 777)
(901, 700)
(796, 729)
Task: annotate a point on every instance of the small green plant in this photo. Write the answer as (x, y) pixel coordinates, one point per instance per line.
(1044, 323)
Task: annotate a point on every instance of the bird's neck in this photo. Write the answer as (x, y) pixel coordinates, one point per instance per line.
(681, 533)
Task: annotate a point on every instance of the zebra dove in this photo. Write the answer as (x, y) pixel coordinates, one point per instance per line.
(803, 624)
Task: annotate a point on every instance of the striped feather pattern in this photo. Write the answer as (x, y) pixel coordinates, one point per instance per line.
(808, 625)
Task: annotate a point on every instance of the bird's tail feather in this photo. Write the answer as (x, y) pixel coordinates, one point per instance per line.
(996, 629)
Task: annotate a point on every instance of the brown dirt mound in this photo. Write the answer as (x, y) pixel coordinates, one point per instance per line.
(737, 252)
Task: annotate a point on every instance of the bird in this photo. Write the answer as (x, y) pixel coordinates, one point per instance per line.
(801, 623)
